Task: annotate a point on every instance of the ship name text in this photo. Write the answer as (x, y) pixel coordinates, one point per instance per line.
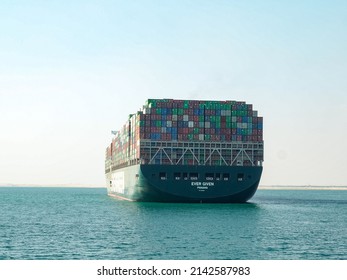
(204, 184)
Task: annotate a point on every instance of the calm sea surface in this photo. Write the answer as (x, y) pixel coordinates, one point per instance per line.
(78, 223)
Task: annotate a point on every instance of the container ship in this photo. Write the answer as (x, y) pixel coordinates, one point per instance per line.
(187, 151)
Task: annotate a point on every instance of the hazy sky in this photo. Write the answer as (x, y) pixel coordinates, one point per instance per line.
(72, 71)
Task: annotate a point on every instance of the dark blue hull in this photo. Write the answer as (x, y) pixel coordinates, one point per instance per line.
(184, 183)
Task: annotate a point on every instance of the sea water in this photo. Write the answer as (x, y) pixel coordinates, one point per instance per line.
(81, 223)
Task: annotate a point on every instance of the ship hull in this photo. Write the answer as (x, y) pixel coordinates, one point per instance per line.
(193, 184)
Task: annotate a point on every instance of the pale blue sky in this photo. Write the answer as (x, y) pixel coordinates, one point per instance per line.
(72, 71)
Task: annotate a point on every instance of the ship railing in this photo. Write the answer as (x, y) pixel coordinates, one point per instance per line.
(195, 153)
(202, 153)
(115, 166)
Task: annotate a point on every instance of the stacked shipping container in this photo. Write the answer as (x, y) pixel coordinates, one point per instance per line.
(185, 121)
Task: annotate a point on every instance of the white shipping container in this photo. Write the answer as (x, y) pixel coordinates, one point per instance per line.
(147, 111)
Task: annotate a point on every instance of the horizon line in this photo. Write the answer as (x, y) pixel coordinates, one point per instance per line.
(261, 187)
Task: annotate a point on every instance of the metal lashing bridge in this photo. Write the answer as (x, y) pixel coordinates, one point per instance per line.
(201, 153)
